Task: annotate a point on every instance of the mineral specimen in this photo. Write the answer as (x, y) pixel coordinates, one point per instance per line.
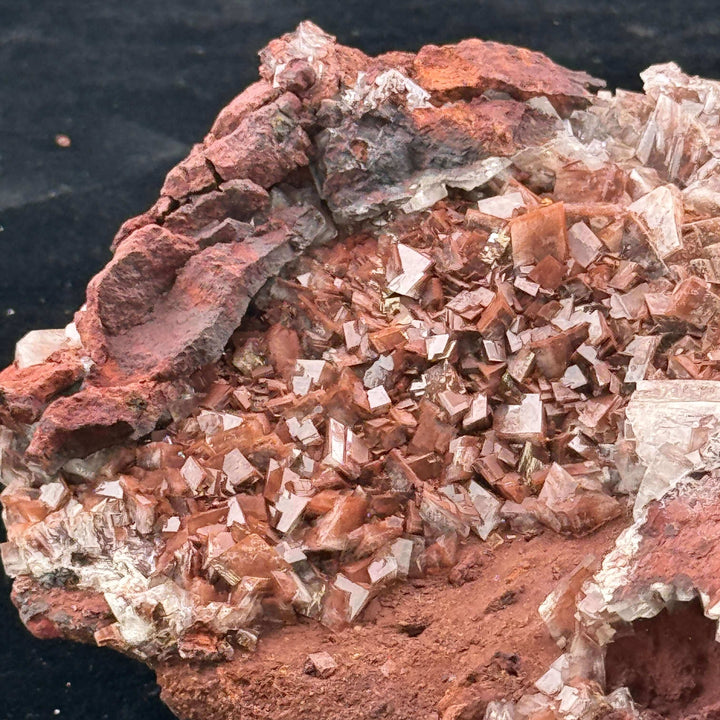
(390, 314)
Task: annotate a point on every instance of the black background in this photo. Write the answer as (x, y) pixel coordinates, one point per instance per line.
(134, 83)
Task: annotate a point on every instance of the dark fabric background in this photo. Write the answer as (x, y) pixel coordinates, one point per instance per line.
(134, 83)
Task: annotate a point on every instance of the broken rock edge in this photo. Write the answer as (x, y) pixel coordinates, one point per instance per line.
(67, 395)
(304, 64)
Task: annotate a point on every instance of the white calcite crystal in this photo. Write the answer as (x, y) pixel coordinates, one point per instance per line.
(35, 347)
(661, 214)
(673, 424)
(524, 421)
(414, 266)
(680, 413)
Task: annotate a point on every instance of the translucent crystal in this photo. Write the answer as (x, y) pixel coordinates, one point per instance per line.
(414, 268)
(642, 350)
(304, 431)
(558, 608)
(37, 345)
(525, 421)
(318, 371)
(344, 602)
(345, 451)
(251, 557)
(553, 681)
(670, 411)
(539, 233)
(332, 529)
(291, 508)
(194, 474)
(487, 506)
(237, 468)
(576, 505)
(584, 245)
(502, 206)
(668, 466)
(378, 399)
(478, 415)
(661, 214)
(379, 372)
(442, 513)
(500, 710)
(54, 494)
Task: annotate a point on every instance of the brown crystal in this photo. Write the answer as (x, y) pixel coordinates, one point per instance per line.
(538, 234)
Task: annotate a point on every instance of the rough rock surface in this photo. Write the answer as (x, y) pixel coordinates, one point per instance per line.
(404, 346)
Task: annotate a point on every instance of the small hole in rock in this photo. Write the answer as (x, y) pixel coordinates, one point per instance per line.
(670, 664)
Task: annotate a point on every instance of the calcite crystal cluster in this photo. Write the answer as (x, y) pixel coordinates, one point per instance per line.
(388, 308)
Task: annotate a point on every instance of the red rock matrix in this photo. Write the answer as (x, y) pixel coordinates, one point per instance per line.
(408, 348)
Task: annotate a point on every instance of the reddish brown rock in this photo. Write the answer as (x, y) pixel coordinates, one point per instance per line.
(499, 127)
(266, 145)
(124, 293)
(229, 118)
(54, 611)
(25, 393)
(264, 437)
(161, 309)
(96, 417)
(191, 324)
(192, 175)
(473, 66)
(236, 200)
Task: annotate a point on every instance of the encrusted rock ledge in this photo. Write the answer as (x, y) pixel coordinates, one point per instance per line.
(408, 341)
